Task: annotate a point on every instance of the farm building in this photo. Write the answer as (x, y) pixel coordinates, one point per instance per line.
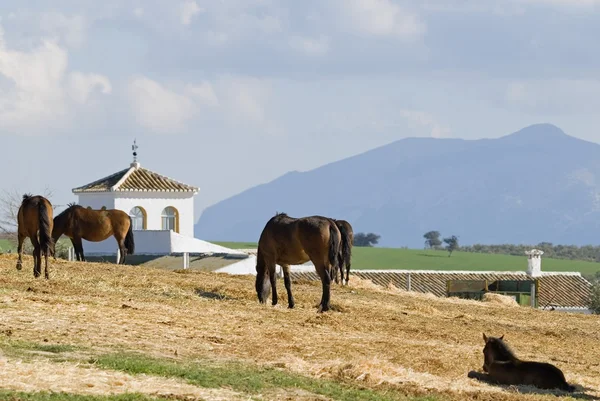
(567, 291)
(161, 211)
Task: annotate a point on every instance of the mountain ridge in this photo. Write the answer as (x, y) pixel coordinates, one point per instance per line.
(535, 184)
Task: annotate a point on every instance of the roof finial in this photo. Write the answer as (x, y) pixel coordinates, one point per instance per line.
(134, 147)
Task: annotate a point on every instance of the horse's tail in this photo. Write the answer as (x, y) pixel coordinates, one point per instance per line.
(334, 244)
(129, 242)
(346, 253)
(46, 241)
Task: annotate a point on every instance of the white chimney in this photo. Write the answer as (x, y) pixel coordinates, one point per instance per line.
(534, 262)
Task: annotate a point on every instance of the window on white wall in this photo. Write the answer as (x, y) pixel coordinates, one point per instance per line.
(138, 218)
(170, 219)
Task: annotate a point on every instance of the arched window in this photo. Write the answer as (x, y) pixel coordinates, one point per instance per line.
(138, 218)
(170, 219)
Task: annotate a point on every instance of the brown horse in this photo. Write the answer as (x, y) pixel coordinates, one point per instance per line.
(35, 218)
(289, 241)
(78, 222)
(345, 255)
(503, 367)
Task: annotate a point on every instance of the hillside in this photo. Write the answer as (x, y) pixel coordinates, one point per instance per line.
(101, 328)
(375, 258)
(537, 184)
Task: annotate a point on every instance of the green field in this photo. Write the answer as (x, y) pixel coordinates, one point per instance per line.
(418, 259)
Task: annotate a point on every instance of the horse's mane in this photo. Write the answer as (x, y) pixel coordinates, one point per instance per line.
(70, 206)
(282, 214)
(27, 196)
(502, 348)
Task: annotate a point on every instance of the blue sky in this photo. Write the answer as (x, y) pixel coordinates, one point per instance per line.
(228, 94)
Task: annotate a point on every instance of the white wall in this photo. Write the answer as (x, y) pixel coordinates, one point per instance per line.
(146, 242)
(97, 200)
(152, 202)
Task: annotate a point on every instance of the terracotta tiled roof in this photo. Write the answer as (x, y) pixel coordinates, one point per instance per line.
(136, 178)
(555, 289)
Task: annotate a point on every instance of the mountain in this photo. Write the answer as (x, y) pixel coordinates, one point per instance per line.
(537, 184)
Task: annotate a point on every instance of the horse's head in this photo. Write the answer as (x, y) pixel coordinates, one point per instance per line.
(494, 350)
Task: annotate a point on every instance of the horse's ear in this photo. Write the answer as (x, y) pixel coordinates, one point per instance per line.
(484, 337)
(502, 336)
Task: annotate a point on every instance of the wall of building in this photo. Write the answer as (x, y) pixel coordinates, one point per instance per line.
(153, 203)
(97, 200)
(155, 242)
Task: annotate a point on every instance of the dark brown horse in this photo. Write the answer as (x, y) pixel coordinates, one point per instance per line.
(34, 220)
(503, 367)
(345, 255)
(78, 222)
(289, 241)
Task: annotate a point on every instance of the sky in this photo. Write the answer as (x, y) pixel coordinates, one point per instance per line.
(229, 94)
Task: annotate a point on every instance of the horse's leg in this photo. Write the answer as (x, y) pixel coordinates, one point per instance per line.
(288, 285)
(37, 259)
(273, 279)
(77, 242)
(20, 239)
(122, 250)
(324, 273)
(46, 265)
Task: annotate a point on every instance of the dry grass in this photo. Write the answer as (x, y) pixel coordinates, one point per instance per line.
(70, 378)
(379, 337)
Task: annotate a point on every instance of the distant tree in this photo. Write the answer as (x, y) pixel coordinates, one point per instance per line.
(452, 244)
(362, 239)
(432, 239)
(594, 300)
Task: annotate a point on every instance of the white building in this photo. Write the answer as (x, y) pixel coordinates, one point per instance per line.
(161, 209)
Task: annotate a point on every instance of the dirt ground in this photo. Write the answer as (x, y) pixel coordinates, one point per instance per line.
(376, 336)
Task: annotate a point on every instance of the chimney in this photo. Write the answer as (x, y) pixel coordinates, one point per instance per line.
(534, 262)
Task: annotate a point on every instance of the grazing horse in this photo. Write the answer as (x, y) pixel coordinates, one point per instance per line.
(503, 367)
(289, 241)
(345, 255)
(35, 216)
(78, 222)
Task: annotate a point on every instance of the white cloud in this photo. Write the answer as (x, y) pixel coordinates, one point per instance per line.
(382, 18)
(36, 90)
(33, 92)
(158, 108)
(204, 93)
(71, 30)
(81, 85)
(138, 12)
(426, 120)
(188, 10)
(317, 46)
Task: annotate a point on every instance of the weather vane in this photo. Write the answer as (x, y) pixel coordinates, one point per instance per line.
(134, 147)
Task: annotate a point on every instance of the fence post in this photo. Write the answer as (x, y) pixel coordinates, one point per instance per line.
(408, 283)
(118, 255)
(186, 260)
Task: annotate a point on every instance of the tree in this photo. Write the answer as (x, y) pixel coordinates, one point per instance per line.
(362, 239)
(594, 300)
(432, 239)
(452, 244)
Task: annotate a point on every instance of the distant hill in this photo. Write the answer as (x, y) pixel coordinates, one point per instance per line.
(537, 184)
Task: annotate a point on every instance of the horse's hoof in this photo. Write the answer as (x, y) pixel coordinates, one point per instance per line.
(19, 267)
(291, 306)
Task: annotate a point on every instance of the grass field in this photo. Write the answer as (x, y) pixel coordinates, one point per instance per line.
(418, 259)
(111, 332)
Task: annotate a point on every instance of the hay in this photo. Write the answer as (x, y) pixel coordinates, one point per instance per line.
(378, 336)
(499, 299)
(70, 378)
